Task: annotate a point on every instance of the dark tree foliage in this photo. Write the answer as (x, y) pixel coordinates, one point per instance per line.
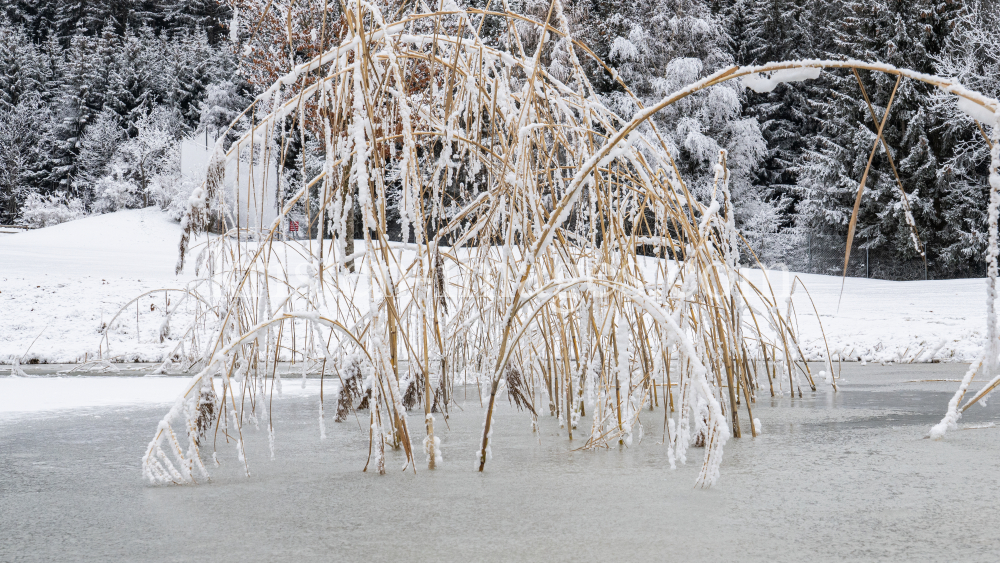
(79, 79)
(910, 35)
(64, 63)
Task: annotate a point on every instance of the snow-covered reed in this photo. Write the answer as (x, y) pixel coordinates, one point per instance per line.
(551, 251)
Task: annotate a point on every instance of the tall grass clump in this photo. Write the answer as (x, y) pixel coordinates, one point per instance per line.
(545, 248)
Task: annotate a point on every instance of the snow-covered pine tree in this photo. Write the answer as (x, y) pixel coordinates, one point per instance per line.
(77, 58)
(143, 75)
(971, 53)
(211, 17)
(81, 96)
(23, 138)
(191, 64)
(51, 68)
(907, 35)
(736, 17)
(35, 17)
(770, 31)
(19, 72)
(124, 88)
(98, 145)
(78, 17)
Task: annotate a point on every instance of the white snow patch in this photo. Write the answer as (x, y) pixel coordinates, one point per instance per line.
(44, 394)
(761, 84)
(61, 283)
(20, 395)
(976, 111)
(885, 321)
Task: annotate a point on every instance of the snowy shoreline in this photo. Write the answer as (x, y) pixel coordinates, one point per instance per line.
(60, 285)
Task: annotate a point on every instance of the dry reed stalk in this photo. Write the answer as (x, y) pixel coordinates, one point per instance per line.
(864, 177)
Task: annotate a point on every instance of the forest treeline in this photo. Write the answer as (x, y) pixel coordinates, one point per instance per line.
(95, 96)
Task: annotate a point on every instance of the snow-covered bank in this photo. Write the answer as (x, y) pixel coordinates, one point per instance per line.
(20, 395)
(59, 285)
(139, 243)
(886, 321)
(30, 394)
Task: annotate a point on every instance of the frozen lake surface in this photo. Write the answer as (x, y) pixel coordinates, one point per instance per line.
(834, 477)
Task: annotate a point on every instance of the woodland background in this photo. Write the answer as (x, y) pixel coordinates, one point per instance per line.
(96, 96)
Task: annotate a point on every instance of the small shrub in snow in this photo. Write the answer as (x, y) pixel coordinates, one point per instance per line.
(115, 192)
(45, 211)
(170, 189)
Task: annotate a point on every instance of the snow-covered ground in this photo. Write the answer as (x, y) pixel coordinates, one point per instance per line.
(886, 321)
(19, 395)
(60, 285)
(24, 395)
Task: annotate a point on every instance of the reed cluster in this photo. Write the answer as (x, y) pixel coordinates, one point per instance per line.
(548, 250)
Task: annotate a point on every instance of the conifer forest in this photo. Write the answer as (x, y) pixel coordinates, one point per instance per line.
(96, 95)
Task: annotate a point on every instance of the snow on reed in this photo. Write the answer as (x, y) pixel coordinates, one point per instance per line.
(559, 258)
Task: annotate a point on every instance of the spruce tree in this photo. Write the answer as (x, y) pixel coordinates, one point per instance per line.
(20, 67)
(971, 54)
(907, 35)
(782, 30)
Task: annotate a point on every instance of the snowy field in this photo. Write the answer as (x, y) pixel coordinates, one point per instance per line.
(886, 321)
(59, 393)
(60, 285)
(840, 476)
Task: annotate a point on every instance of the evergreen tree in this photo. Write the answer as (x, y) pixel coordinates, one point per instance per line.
(35, 17)
(130, 84)
(80, 98)
(906, 35)
(208, 16)
(192, 65)
(739, 28)
(76, 73)
(782, 30)
(77, 17)
(23, 129)
(971, 54)
(21, 67)
(98, 145)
